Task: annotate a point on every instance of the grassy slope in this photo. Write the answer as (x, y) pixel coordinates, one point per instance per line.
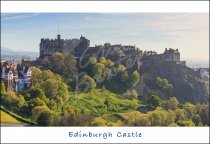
(6, 118)
(95, 102)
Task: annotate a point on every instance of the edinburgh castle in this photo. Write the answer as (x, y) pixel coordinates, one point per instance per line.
(81, 47)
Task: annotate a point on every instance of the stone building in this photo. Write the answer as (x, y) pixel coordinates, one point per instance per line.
(81, 47)
(74, 46)
(170, 56)
(16, 77)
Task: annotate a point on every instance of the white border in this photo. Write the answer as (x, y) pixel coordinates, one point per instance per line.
(148, 135)
(105, 6)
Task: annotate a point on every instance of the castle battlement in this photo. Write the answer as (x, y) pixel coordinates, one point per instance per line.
(78, 46)
(74, 46)
(170, 55)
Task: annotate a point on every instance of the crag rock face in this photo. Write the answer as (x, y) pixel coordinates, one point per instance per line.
(187, 83)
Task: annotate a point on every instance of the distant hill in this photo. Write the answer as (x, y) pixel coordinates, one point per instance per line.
(10, 54)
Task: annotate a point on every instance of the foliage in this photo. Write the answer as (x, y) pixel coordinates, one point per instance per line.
(3, 90)
(46, 118)
(65, 65)
(189, 109)
(36, 111)
(163, 83)
(86, 84)
(153, 101)
(180, 115)
(131, 94)
(186, 123)
(171, 104)
(79, 119)
(203, 111)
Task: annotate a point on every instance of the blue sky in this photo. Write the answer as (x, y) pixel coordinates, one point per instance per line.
(189, 32)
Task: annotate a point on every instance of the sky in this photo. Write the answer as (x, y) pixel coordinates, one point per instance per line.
(189, 32)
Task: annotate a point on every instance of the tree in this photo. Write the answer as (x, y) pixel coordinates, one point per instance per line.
(125, 77)
(79, 119)
(180, 115)
(46, 118)
(163, 83)
(21, 102)
(55, 63)
(102, 60)
(174, 103)
(190, 109)
(121, 68)
(36, 111)
(155, 118)
(98, 72)
(186, 123)
(134, 77)
(70, 66)
(86, 83)
(131, 94)
(36, 92)
(171, 104)
(203, 111)
(3, 90)
(143, 121)
(51, 88)
(10, 98)
(153, 101)
(197, 120)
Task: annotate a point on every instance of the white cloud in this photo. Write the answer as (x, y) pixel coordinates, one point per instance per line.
(14, 16)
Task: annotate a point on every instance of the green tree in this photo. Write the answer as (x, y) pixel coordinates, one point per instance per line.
(70, 66)
(153, 101)
(143, 121)
(36, 111)
(163, 83)
(131, 94)
(180, 115)
(3, 90)
(55, 63)
(98, 72)
(86, 83)
(21, 102)
(203, 111)
(189, 109)
(197, 120)
(102, 60)
(121, 68)
(134, 77)
(171, 104)
(174, 103)
(51, 88)
(10, 98)
(36, 92)
(186, 123)
(46, 118)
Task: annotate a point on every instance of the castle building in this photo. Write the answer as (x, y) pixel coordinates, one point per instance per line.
(81, 47)
(16, 77)
(73, 46)
(170, 56)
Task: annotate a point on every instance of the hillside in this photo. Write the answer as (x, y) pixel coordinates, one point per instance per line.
(105, 94)
(188, 85)
(95, 102)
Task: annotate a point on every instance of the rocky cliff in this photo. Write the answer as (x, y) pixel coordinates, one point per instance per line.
(187, 83)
